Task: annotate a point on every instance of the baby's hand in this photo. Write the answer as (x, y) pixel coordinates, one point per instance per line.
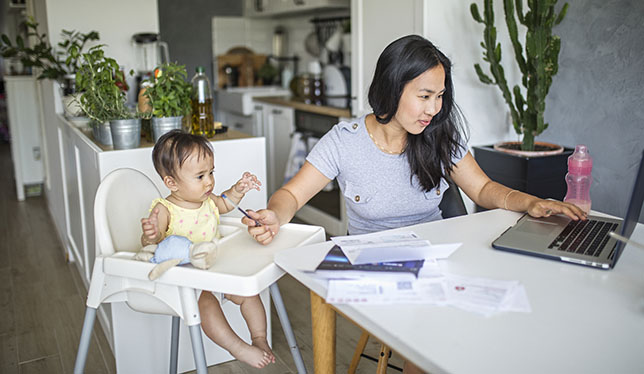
(247, 182)
(150, 227)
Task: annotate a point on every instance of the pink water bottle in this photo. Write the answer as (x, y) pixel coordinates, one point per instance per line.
(578, 179)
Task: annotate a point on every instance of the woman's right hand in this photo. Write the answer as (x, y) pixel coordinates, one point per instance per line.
(269, 222)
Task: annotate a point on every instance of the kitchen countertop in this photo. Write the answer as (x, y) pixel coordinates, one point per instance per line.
(299, 105)
(228, 135)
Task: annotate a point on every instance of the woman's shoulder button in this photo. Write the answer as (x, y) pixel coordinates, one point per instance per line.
(355, 126)
(357, 198)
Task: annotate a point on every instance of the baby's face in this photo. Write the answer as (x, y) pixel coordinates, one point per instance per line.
(195, 179)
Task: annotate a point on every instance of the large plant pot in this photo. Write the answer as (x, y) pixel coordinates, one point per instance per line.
(102, 132)
(542, 176)
(164, 124)
(126, 133)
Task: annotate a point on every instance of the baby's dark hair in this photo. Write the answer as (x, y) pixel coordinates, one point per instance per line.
(174, 147)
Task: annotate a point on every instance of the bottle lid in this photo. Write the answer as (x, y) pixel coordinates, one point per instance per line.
(199, 69)
(580, 161)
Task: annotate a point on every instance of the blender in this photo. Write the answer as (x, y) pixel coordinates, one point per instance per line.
(150, 52)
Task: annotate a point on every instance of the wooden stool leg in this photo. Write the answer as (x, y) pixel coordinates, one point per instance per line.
(383, 360)
(358, 353)
(323, 320)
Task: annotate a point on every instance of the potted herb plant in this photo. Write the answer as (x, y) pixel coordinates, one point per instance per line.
(166, 99)
(102, 98)
(57, 64)
(537, 168)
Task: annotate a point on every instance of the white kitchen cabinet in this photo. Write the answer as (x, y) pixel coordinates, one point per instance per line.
(258, 120)
(251, 124)
(267, 8)
(279, 125)
(237, 122)
(375, 24)
(23, 107)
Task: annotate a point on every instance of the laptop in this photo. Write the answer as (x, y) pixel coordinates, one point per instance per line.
(580, 242)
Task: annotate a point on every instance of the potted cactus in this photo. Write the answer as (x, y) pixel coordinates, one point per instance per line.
(537, 59)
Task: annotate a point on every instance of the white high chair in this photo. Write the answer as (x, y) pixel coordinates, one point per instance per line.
(243, 267)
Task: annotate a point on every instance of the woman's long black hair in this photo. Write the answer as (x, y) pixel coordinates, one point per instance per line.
(430, 152)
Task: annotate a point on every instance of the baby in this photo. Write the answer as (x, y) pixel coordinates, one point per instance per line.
(186, 163)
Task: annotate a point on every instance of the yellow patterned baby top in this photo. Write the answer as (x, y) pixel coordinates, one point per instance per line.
(198, 225)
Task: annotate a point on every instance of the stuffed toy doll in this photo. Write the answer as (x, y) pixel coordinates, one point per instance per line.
(177, 250)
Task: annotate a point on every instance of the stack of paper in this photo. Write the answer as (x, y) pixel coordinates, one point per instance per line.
(401, 268)
(478, 295)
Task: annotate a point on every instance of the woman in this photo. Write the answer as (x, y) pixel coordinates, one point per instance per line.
(391, 165)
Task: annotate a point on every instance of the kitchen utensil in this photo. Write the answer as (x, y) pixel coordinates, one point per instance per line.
(334, 41)
(312, 45)
(308, 88)
(150, 51)
(336, 86)
(279, 42)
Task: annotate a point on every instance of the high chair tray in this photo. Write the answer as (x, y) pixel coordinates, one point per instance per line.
(243, 266)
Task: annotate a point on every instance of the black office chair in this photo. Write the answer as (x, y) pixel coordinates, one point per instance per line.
(452, 206)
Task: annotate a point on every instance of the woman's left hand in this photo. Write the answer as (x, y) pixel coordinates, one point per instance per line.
(546, 208)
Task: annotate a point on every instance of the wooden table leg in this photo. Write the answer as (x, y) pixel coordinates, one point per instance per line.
(323, 321)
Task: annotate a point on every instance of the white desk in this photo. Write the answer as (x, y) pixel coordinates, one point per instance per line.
(583, 320)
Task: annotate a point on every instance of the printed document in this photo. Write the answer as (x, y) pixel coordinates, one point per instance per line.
(373, 291)
(390, 247)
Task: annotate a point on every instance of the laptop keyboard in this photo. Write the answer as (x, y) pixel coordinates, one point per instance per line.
(584, 237)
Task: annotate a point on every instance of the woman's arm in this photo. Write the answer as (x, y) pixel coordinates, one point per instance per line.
(489, 194)
(285, 202)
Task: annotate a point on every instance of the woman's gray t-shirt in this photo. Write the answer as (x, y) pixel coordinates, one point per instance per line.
(376, 186)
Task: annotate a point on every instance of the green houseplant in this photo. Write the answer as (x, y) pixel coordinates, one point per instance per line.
(168, 98)
(102, 99)
(58, 64)
(53, 64)
(537, 59)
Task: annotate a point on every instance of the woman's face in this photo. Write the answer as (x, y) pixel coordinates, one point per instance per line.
(421, 100)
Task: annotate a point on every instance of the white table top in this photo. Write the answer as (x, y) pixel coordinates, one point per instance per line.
(583, 320)
(243, 266)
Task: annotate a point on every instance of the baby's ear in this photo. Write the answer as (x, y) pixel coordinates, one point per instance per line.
(170, 183)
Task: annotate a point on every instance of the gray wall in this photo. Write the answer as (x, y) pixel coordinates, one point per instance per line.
(597, 97)
(186, 26)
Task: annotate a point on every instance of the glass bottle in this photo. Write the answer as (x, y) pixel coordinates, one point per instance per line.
(202, 116)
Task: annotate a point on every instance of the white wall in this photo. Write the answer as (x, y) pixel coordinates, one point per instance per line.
(115, 20)
(449, 25)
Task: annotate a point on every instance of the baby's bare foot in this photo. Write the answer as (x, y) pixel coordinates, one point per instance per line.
(262, 344)
(252, 355)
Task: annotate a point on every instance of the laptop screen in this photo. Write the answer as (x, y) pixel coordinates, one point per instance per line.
(634, 208)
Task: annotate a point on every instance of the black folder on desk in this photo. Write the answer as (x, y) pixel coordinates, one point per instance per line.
(337, 266)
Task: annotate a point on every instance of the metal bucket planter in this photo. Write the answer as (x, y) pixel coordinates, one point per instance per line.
(101, 132)
(126, 133)
(164, 124)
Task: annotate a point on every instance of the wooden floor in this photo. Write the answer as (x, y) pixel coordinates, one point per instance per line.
(42, 302)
